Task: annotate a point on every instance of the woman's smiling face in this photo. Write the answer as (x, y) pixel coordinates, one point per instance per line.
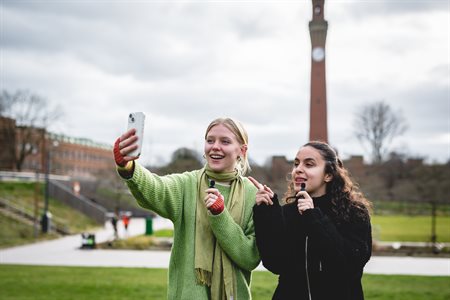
(309, 168)
(222, 149)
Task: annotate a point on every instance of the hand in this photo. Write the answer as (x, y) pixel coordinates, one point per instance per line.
(214, 201)
(304, 201)
(124, 145)
(264, 193)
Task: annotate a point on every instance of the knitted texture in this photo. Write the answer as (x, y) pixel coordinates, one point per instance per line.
(217, 206)
(174, 197)
(120, 161)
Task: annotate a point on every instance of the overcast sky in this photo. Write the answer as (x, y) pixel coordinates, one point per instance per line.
(185, 63)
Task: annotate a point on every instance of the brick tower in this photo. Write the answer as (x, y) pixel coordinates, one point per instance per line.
(318, 106)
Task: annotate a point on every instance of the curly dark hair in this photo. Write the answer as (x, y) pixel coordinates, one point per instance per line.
(346, 197)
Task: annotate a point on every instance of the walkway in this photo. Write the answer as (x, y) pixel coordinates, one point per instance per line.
(66, 252)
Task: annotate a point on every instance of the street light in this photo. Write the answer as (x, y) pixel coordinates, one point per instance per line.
(47, 216)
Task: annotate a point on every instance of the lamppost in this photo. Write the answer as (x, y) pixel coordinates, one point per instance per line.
(47, 216)
(434, 245)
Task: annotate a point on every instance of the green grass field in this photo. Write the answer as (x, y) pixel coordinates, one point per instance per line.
(410, 228)
(46, 283)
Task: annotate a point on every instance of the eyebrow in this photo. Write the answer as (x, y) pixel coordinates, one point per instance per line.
(306, 159)
(219, 137)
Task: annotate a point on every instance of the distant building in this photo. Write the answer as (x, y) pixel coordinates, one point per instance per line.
(79, 157)
(76, 157)
(355, 165)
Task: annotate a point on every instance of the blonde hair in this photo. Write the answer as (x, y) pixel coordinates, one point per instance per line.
(239, 131)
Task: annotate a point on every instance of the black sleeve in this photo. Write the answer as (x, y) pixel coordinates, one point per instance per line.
(350, 247)
(270, 235)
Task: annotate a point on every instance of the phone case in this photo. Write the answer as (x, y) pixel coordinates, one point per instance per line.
(137, 120)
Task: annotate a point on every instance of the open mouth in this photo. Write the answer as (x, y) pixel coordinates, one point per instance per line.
(299, 180)
(216, 156)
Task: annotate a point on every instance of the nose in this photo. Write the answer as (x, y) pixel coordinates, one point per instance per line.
(216, 146)
(298, 168)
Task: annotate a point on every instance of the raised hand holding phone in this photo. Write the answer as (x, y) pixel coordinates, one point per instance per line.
(136, 121)
(128, 146)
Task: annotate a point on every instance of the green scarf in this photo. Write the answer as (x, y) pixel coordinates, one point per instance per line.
(212, 266)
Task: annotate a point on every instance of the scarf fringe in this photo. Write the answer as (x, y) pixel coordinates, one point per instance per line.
(203, 277)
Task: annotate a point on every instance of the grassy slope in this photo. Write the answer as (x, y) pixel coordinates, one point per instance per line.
(23, 195)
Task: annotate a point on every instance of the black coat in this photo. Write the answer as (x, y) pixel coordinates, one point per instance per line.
(315, 257)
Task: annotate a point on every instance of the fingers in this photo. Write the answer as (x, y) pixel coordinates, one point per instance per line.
(128, 143)
(264, 193)
(255, 182)
(263, 199)
(128, 134)
(267, 189)
(212, 191)
(303, 195)
(304, 204)
(211, 197)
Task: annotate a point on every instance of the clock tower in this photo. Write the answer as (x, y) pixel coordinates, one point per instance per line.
(318, 129)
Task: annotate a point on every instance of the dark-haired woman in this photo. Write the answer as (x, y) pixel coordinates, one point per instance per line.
(320, 240)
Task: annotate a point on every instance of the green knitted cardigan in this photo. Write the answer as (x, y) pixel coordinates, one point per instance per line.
(174, 197)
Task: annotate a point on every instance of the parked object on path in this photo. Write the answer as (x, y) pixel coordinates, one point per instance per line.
(88, 240)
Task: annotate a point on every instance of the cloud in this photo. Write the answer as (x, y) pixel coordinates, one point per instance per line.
(186, 63)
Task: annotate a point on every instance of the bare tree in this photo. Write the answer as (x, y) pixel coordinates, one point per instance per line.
(376, 124)
(31, 116)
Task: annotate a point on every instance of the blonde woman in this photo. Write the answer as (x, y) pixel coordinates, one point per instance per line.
(214, 248)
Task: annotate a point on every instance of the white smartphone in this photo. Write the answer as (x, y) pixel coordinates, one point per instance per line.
(137, 120)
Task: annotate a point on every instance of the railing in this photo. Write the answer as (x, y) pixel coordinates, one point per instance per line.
(30, 176)
(66, 195)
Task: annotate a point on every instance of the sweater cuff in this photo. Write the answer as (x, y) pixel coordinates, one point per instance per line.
(127, 171)
(275, 200)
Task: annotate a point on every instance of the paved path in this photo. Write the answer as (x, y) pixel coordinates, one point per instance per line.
(66, 252)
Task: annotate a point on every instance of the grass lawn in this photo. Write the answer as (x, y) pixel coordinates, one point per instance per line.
(410, 228)
(39, 283)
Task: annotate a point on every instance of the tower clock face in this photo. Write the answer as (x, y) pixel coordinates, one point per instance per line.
(317, 9)
(318, 53)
